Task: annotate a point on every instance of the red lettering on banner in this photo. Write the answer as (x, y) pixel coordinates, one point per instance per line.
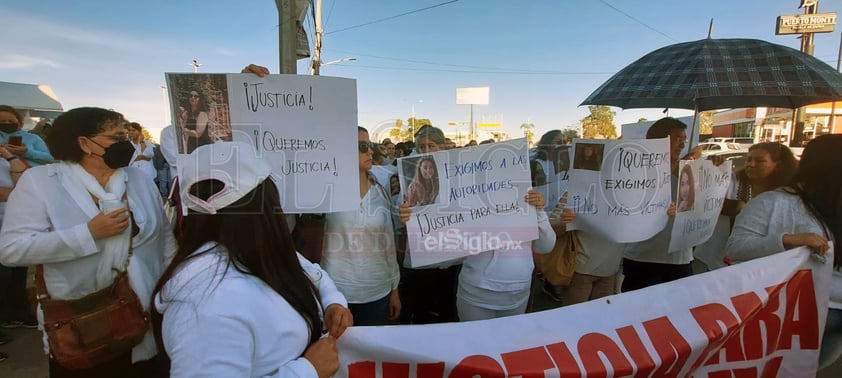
(711, 318)
(770, 370)
(564, 360)
(430, 370)
(641, 358)
(801, 317)
(527, 363)
(396, 370)
(368, 369)
(669, 344)
(749, 345)
(477, 366)
(591, 345)
(363, 369)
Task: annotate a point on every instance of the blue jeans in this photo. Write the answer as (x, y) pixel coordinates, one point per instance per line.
(371, 313)
(831, 347)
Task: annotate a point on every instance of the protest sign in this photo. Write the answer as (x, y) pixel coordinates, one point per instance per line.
(305, 126)
(638, 130)
(554, 190)
(701, 192)
(467, 200)
(762, 318)
(620, 189)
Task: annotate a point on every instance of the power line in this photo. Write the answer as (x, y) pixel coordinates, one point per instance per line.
(638, 21)
(330, 12)
(485, 69)
(480, 71)
(392, 17)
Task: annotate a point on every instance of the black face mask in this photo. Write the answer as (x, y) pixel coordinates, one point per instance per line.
(117, 155)
(8, 128)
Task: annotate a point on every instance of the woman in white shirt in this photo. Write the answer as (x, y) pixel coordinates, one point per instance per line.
(53, 218)
(144, 151)
(806, 213)
(237, 300)
(359, 252)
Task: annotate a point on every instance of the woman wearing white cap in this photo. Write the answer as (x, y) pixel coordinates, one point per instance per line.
(237, 300)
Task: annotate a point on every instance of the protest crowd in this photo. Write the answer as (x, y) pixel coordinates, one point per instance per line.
(238, 287)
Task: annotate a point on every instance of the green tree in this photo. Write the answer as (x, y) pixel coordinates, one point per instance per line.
(600, 123)
(413, 124)
(569, 134)
(395, 132)
(527, 132)
(706, 122)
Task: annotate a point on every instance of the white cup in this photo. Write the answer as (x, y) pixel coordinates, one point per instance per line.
(109, 205)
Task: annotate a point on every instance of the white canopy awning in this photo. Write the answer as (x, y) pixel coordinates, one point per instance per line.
(36, 100)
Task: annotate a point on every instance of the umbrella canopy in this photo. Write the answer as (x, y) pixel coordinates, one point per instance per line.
(721, 73)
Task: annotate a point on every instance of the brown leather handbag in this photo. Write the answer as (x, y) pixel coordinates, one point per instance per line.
(86, 332)
(559, 265)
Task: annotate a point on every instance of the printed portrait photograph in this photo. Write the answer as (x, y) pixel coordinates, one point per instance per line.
(686, 190)
(201, 110)
(588, 156)
(422, 177)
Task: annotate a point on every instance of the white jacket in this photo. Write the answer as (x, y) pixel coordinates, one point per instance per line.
(760, 226)
(225, 323)
(47, 223)
(504, 270)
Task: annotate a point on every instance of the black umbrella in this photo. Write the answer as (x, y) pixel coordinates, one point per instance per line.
(721, 73)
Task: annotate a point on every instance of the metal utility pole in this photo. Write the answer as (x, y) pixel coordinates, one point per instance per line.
(287, 36)
(317, 41)
(797, 132)
(832, 123)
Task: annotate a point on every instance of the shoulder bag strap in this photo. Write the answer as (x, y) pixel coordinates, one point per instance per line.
(41, 286)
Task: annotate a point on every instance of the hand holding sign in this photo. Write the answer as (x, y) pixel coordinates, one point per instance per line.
(534, 198)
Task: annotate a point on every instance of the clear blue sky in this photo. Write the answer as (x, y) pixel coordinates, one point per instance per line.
(540, 58)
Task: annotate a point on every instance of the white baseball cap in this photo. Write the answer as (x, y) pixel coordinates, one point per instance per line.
(235, 164)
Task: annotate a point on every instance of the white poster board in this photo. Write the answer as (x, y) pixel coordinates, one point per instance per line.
(466, 201)
(638, 130)
(554, 191)
(305, 126)
(702, 187)
(623, 195)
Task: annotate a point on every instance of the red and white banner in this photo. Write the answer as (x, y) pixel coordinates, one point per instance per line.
(762, 318)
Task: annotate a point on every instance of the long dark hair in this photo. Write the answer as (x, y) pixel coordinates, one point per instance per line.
(257, 239)
(203, 105)
(818, 181)
(785, 161)
(545, 144)
(431, 186)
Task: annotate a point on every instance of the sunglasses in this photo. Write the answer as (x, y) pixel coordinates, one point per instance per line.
(365, 146)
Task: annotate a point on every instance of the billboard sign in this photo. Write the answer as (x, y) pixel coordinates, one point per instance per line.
(472, 96)
(806, 23)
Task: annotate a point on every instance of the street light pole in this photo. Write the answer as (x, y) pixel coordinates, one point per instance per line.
(337, 61)
(166, 107)
(195, 64)
(412, 125)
